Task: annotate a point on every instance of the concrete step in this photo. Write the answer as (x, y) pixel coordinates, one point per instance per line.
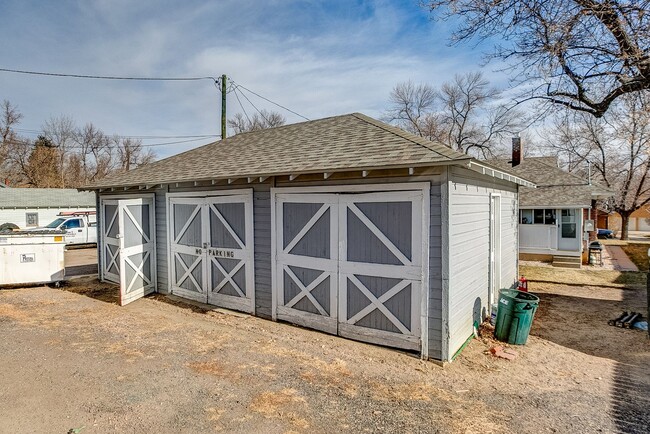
(567, 264)
(567, 261)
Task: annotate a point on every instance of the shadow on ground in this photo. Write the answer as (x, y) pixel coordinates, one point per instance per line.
(81, 270)
(93, 288)
(579, 321)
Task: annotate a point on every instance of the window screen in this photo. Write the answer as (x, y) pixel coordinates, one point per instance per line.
(31, 218)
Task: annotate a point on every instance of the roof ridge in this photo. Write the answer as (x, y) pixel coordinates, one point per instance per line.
(406, 135)
(279, 127)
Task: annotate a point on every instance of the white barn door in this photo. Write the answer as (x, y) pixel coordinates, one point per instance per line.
(129, 246)
(380, 268)
(230, 252)
(351, 264)
(307, 260)
(110, 230)
(211, 245)
(188, 261)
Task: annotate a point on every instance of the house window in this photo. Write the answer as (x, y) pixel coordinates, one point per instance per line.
(31, 218)
(537, 216)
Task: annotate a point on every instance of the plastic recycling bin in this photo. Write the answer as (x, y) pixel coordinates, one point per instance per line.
(515, 316)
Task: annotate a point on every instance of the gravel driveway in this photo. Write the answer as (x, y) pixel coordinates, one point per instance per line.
(71, 358)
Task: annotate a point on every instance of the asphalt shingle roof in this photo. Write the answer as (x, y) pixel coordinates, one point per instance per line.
(45, 198)
(352, 141)
(555, 187)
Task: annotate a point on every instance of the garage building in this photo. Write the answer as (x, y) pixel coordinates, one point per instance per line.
(345, 225)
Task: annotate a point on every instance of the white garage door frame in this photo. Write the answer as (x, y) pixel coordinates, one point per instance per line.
(249, 305)
(424, 187)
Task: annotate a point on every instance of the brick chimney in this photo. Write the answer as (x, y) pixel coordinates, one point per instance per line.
(517, 151)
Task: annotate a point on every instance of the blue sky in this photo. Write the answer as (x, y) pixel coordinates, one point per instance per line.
(319, 58)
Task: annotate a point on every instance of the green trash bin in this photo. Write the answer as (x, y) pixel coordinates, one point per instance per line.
(515, 316)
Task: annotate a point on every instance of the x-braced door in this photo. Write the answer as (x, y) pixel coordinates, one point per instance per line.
(110, 241)
(128, 246)
(307, 255)
(188, 248)
(230, 251)
(380, 267)
(212, 250)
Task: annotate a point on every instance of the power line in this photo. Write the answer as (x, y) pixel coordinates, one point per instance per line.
(137, 137)
(241, 105)
(107, 77)
(251, 103)
(147, 145)
(272, 102)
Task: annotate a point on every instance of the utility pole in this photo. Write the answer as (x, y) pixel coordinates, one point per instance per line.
(223, 106)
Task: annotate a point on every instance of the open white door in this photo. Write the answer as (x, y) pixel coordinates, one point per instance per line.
(137, 248)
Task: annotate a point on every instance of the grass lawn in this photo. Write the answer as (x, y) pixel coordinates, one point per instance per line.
(617, 279)
(638, 253)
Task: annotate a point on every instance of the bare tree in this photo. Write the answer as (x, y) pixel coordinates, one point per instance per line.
(464, 114)
(582, 54)
(60, 132)
(95, 151)
(131, 154)
(242, 123)
(9, 118)
(617, 146)
(413, 108)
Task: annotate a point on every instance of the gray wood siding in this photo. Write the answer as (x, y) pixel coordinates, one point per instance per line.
(469, 238)
(162, 266)
(435, 273)
(262, 235)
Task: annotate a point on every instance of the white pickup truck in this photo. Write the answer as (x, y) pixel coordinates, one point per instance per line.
(80, 227)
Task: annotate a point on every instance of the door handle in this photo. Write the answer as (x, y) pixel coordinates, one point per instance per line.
(78, 230)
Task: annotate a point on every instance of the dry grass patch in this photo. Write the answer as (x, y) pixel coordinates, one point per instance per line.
(569, 276)
(216, 369)
(282, 405)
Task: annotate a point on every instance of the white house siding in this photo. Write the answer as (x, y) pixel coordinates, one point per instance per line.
(469, 238)
(45, 215)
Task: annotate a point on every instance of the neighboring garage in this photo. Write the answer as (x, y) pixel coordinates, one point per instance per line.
(344, 224)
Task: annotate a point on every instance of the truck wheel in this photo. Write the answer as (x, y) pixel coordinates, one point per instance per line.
(9, 227)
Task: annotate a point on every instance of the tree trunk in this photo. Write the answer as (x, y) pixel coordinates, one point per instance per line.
(625, 221)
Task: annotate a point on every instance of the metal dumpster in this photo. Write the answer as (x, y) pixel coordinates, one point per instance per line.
(34, 257)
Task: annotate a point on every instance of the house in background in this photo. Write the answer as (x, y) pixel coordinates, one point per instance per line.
(344, 224)
(33, 207)
(556, 219)
(639, 220)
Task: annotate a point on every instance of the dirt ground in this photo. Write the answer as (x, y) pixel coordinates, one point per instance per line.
(80, 261)
(72, 359)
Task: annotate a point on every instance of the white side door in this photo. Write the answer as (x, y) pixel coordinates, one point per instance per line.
(137, 248)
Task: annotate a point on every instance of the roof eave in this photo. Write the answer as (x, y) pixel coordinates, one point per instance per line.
(459, 161)
(498, 173)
